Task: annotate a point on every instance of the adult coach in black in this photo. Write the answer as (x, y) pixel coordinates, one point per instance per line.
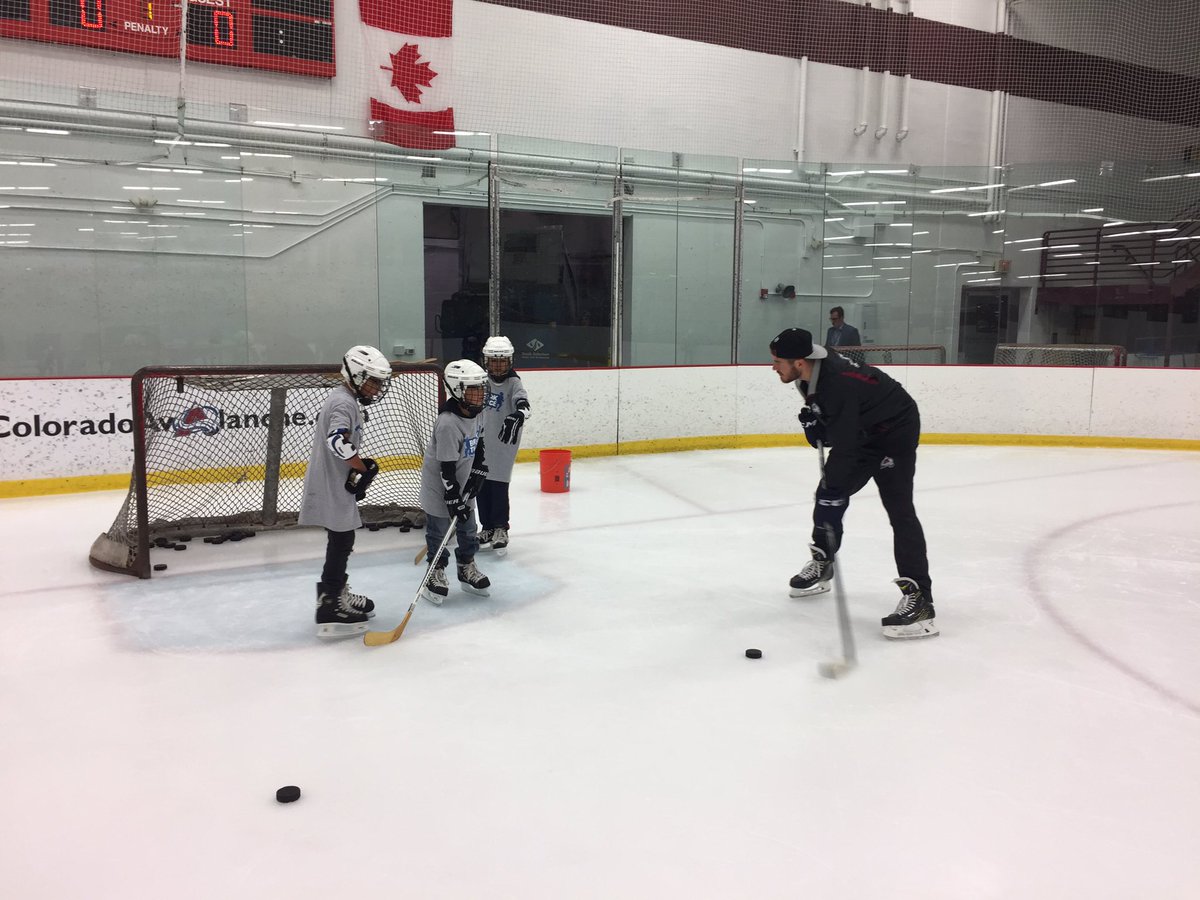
(871, 427)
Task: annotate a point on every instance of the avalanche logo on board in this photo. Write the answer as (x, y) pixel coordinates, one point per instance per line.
(198, 420)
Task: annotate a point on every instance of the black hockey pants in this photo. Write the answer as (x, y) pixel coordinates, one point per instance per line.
(338, 547)
(493, 505)
(891, 459)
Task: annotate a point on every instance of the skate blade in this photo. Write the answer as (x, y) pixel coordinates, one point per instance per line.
(501, 551)
(926, 628)
(430, 597)
(819, 588)
(478, 592)
(341, 629)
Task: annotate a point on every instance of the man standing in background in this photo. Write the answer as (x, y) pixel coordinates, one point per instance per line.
(840, 334)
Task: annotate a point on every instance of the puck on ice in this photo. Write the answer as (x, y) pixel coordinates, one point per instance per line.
(753, 654)
(288, 794)
(160, 567)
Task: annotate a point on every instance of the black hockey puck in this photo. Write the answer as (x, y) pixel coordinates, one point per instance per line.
(160, 567)
(288, 794)
(208, 540)
(405, 528)
(181, 546)
(372, 528)
(753, 654)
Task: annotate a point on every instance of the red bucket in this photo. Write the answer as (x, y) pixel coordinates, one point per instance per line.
(556, 471)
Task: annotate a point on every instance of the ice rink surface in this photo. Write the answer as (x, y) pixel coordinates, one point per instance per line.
(594, 730)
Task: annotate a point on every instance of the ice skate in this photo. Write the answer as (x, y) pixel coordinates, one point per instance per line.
(814, 578)
(436, 588)
(500, 541)
(335, 618)
(357, 602)
(472, 580)
(485, 539)
(913, 617)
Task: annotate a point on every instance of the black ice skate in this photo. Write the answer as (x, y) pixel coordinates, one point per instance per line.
(913, 617)
(814, 578)
(472, 580)
(500, 541)
(357, 602)
(436, 588)
(335, 618)
(485, 539)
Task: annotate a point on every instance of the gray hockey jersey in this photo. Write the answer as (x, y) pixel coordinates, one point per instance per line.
(326, 501)
(502, 397)
(455, 439)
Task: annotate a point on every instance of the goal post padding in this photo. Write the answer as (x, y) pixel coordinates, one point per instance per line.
(224, 449)
(1090, 355)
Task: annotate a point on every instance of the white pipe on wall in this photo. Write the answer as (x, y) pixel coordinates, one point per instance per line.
(802, 109)
(863, 83)
(884, 106)
(902, 131)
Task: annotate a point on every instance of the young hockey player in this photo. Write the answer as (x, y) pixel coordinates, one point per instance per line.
(507, 410)
(451, 476)
(871, 427)
(336, 479)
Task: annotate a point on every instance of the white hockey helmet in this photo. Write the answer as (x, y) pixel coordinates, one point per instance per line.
(498, 356)
(498, 347)
(462, 374)
(361, 363)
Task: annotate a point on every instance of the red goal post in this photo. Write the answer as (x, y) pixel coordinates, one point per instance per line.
(895, 354)
(222, 451)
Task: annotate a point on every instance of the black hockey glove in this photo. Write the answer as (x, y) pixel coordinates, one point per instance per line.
(510, 430)
(814, 428)
(475, 480)
(457, 506)
(358, 482)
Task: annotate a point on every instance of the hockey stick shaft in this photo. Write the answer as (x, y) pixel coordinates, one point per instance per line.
(849, 654)
(379, 638)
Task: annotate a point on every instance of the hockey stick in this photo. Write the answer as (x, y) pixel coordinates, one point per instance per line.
(379, 638)
(837, 668)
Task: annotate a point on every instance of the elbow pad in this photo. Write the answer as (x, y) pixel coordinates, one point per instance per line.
(339, 443)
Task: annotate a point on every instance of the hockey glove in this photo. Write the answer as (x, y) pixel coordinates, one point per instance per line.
(475, 480)
(814, 428)
(358, 482)
(510, 430)
(457, 506)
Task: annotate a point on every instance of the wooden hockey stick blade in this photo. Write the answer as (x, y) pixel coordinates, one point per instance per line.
(420, 556)
(379, 638)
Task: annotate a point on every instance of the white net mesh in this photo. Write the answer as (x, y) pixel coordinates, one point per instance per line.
(1060, 355)
(224, 452)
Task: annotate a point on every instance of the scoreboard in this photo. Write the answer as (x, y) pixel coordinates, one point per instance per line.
(294, 36)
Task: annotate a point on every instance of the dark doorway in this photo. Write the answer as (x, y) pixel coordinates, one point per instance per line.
(987, 317)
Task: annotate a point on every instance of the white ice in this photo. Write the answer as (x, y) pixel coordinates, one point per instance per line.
(594, 730)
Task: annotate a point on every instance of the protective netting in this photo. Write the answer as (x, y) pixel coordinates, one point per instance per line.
(1091, 355)
(223, 452)
(1112, 79)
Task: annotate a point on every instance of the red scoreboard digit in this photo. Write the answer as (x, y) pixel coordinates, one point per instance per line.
(294, 36)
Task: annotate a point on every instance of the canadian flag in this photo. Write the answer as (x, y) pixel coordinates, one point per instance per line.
(407, 50)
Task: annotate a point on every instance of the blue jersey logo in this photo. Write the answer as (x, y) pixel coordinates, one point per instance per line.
(495, 399)
(469, 446)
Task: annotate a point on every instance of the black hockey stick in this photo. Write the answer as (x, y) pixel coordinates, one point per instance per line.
(379, 638)
(837, 668)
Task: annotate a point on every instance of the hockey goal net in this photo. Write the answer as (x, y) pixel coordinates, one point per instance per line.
(1090, 355)
(222, 451)
(895, 354)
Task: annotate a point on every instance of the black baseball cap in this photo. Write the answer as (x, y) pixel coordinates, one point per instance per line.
(796, 343)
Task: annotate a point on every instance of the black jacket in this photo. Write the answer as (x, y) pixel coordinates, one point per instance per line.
(862, 409)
